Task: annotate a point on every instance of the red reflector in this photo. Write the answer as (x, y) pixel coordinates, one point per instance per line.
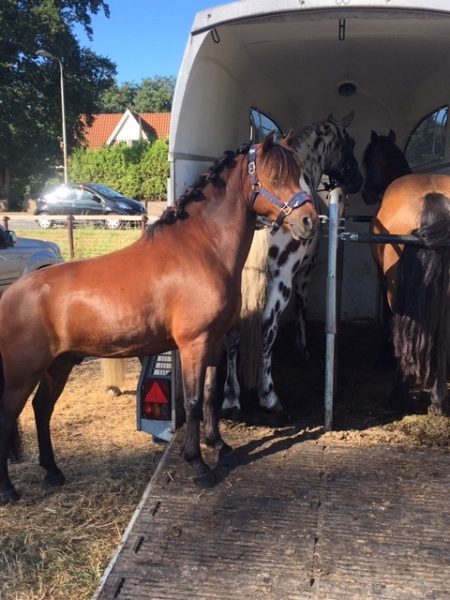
(157, 392)
(156, 400)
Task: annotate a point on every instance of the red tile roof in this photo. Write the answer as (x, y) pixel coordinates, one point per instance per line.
(159, 123)
(104, 124)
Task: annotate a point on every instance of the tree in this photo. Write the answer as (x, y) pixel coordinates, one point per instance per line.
(117, 99)
(155, 95)
(30, 109)
(152, 95)
(140, 171)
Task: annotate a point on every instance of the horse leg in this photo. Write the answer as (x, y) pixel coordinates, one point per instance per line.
(48, 392)
(211, 419)
(399, 398)
(15, 395)
(438, 390)
(193, 364)
(300, 297)
(232, 388)
(277, 299)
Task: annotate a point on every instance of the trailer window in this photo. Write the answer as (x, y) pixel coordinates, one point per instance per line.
(426, 144)
(261, 125)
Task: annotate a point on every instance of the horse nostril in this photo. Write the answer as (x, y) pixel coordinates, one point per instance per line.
(308, 223)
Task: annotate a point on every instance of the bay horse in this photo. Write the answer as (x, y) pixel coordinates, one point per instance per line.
(178, 286)
(279, 265)
(415, 278)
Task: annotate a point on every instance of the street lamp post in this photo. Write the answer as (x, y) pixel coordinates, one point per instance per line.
(63, 109)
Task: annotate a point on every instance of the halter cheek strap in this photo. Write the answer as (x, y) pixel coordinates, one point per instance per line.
(297, 200)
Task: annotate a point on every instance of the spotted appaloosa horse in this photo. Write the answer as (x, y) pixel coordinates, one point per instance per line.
(414, 277)
(178, 286)
(282, 265)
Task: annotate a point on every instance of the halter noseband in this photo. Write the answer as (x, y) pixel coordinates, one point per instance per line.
(297, 200)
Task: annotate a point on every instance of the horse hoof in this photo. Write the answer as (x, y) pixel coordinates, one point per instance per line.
(8, 497)
(226, 457)
(207, 480)
(55, 479)
(231, 414)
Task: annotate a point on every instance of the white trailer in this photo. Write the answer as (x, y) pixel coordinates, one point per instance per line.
(254, 64)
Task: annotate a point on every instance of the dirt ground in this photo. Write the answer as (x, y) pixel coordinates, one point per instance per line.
(57, 542)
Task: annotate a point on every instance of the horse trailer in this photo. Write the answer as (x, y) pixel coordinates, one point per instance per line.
(303, 531)
(250, 67)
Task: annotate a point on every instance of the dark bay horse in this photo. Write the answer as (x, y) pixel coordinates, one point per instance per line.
(178, 286)
(279, 267)
(415, 277)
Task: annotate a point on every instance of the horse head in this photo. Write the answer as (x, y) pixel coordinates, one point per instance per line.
(275, 195)
(341, 164)
(383, 162)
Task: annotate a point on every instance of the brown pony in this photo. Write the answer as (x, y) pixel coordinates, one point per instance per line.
(178, 286)
(415, 276)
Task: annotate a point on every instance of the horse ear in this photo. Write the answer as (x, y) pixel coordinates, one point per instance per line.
(330, 117)
(289, 138)
(391, 135)
(373, 135)
(347, 120)
(268, 142)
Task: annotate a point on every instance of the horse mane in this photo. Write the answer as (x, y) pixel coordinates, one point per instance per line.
(302, 135)
(279, 161)
(194, 193)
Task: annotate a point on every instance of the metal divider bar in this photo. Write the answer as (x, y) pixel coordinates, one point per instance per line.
(335, 197)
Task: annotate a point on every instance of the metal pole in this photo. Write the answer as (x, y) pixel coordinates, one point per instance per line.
(63, 108)
(331, 312)
(63, 117)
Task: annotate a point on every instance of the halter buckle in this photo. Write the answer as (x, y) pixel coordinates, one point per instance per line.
(286, 209)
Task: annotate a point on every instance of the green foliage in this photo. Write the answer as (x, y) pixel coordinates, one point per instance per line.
(152, 95)
(30, 100)
(139, 171)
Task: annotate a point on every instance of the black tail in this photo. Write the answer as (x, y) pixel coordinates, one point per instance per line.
(420, 321)
(15, 441)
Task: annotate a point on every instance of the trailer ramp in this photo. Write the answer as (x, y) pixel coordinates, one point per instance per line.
(295, 519)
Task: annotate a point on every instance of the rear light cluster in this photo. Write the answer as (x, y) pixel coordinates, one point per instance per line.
(156, 399)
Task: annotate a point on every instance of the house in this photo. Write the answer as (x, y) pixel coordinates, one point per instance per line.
(128, 127)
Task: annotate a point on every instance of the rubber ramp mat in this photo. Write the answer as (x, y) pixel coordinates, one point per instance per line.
(293, 520)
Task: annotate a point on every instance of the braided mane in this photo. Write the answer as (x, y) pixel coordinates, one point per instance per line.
(194, 193)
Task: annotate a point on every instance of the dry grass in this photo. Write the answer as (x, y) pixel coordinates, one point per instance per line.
(87, 241)
(57, 542)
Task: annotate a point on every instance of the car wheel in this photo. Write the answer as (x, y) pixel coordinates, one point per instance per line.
(113, 223)
(44, 221)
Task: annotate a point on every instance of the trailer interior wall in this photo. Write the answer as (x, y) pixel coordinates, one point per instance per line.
(287, 60)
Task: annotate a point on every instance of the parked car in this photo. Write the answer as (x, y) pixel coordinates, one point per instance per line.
(19, 256)
(85, 199)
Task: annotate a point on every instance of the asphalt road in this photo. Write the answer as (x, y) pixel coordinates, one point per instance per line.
(26, 220)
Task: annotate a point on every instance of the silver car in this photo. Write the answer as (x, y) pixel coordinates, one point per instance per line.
(19, 256)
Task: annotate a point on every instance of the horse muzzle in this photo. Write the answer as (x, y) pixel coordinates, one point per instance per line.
(303, 229)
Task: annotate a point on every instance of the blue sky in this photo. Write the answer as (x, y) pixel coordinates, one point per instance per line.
(144, 38)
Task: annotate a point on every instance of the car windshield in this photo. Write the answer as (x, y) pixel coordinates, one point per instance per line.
(105, 191)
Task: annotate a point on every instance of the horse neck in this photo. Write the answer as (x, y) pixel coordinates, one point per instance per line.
(226, 216)
(314, 155)
(402, 166)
